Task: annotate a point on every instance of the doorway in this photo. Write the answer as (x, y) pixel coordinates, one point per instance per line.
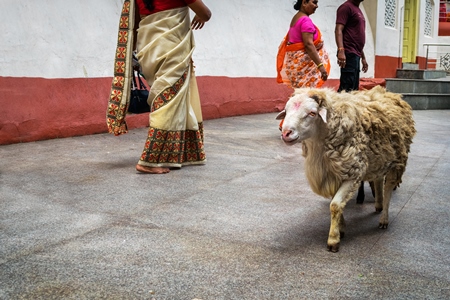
(410, 31)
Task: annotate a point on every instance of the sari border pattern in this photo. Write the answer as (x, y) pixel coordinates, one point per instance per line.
(173, 148)
(118, 98)
(167, 95)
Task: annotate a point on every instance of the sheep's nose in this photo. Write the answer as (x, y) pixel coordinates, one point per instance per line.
(289, 136)
(286, 133)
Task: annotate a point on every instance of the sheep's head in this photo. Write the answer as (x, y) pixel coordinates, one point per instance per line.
(304, 115)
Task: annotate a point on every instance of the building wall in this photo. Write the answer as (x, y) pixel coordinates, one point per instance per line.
(444, 38)
(388, 41)
(424, 38)
(434, 52)
(57, 62)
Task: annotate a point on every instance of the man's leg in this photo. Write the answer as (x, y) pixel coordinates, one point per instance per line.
(349, 80)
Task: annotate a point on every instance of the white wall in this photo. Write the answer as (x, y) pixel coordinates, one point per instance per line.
(71, 39)
(391, 39)
(422, 38)
(58, 38)
(439, 51)
(242, 38)
(434, 52)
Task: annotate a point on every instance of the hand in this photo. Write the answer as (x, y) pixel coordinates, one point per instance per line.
(365, 66)
(197, 23)
(323, 73)
(341, 59)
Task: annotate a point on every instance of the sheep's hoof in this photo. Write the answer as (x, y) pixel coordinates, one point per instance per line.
(333, 248)
(383, 226)
(341, 234)
(360, 200)
(378, 210)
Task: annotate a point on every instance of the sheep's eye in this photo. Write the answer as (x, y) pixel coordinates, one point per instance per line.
(312, 114)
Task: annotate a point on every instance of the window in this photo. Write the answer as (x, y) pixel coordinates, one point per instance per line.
(390, 13)
(428, 18)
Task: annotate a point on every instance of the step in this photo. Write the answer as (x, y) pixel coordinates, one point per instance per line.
(420, 74)
(410, 66)
(436, 86)
(423, 101)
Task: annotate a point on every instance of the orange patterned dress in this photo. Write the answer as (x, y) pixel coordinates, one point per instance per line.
(294, 66)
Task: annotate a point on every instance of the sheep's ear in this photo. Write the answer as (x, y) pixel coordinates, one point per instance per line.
(323, 114)
(281, 115)
(322, 110)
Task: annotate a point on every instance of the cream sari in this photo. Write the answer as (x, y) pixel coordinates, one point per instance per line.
(165, 44)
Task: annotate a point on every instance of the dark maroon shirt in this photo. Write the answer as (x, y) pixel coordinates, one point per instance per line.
(354, 32)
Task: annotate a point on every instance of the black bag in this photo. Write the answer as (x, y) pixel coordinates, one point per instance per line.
(138, 96)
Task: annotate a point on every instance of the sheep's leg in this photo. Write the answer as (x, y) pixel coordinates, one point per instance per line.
(372, 188)
(390, 184)
(342, 226)
(379, 186)
(337, 205)
(360, 197)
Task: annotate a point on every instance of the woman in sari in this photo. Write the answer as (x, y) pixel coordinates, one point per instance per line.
(302, 60)
(164, 45)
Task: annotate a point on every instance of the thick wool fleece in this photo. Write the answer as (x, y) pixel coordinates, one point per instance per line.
(367, 134)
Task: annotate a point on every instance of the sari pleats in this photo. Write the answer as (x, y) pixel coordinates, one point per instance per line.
(165, 45)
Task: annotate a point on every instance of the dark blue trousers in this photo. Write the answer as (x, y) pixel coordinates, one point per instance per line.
(349, 80)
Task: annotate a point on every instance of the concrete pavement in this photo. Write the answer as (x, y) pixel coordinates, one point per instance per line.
(78, 222)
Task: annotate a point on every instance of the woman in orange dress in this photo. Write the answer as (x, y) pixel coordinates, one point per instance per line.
(302, 60)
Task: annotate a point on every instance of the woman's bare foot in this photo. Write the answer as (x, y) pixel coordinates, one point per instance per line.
(152, 170)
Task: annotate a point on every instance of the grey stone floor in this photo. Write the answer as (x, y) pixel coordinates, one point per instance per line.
(78, 222)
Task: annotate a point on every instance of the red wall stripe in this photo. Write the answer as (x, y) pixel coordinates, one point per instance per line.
(38, 108)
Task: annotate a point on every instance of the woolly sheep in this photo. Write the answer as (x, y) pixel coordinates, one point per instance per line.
(348, 138)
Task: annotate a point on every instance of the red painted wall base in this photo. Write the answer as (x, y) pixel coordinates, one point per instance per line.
(35, 109)
(386, 66)
(425, 64)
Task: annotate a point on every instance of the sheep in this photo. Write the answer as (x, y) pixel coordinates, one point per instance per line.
(348, 138)
(360, 197)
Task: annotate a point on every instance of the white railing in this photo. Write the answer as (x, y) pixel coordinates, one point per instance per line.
(443, 57)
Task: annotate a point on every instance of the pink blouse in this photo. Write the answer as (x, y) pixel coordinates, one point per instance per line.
(304, 24)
